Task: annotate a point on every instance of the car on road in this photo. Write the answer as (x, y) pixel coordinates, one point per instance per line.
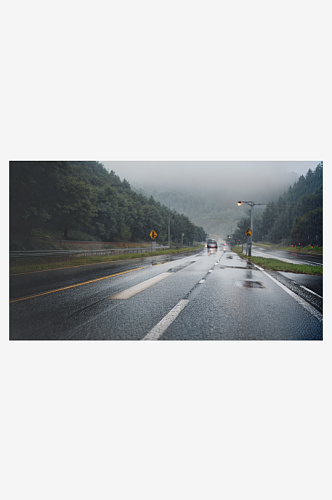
(211, 243)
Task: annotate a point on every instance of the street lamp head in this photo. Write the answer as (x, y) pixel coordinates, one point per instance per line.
(239, 203)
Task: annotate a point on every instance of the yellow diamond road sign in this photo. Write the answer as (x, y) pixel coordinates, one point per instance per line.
(248, 232)
(153, 234)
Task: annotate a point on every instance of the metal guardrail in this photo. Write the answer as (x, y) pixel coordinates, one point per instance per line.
(80, 253)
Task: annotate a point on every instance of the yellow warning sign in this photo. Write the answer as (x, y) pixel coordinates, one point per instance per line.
(153, 234)
(248, 232)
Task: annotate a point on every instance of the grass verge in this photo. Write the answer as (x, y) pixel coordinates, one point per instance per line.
(82, 261)
(278, 265)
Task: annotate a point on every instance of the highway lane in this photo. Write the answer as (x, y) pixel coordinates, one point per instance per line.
(37, 282)
(234, 311)
(79, 307)
(207, 296)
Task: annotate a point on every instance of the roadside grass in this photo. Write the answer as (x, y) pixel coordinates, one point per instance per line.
(82, 261)
(278, 265)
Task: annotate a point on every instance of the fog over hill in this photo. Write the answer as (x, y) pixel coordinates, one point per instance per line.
(208, 191)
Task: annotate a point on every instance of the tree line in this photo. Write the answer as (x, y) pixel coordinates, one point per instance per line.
(60, 197)
(296, 218)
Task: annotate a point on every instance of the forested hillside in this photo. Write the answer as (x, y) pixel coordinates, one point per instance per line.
(296, 218)
(62, 199)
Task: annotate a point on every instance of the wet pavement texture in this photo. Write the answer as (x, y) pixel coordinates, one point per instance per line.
(228, 299)
(23, 285)
(224, 311)
(314, 283)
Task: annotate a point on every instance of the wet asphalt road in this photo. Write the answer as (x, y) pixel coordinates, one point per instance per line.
(205, 296)
(312, 283)
(293, 257)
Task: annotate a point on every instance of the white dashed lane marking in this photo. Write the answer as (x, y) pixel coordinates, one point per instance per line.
(126, 294)
(162, 326)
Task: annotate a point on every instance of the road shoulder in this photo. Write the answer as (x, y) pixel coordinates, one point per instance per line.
(312, 299)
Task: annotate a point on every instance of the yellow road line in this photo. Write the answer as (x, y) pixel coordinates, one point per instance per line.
(73, 286)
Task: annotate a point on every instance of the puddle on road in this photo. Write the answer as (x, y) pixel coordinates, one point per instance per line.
(179, 268)
(249, 284)
(237, 267)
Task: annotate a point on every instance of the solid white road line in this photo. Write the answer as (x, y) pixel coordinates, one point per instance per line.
(312, 263)
(298, 299)
(160, 327)
(302, 286)
(126, 294)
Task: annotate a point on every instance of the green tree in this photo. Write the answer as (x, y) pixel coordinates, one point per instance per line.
(33, 194)
(126, 234)
(308, 229)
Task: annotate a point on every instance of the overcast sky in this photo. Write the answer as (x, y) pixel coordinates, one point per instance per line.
(239, 175)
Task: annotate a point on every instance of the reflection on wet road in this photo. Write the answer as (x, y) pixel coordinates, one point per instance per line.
(213, 295)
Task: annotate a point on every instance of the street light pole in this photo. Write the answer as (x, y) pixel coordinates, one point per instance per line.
(251, 204)
(169, 227)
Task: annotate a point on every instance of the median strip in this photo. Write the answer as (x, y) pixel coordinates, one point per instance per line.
(92, 260)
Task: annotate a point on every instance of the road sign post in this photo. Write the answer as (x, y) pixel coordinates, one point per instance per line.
(153, 236)
(248, 233)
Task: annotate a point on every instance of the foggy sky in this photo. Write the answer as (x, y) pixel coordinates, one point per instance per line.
(243, 177)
